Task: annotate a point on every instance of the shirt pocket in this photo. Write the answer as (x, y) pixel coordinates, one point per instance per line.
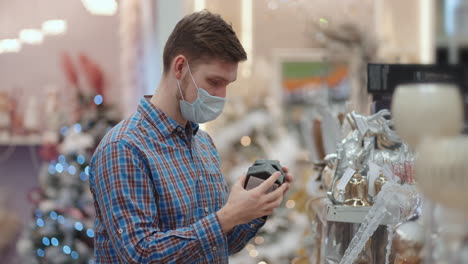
(221, 190)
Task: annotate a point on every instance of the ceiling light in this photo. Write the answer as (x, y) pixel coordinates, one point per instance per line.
(31, 36)
(54, 27)
(10, 45)
(101, 7)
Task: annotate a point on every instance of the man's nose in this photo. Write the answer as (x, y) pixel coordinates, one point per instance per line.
(220, 92)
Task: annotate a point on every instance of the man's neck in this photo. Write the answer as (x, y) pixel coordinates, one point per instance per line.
(167, 102)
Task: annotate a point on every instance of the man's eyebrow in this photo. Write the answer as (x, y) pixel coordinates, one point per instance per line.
(219, 78)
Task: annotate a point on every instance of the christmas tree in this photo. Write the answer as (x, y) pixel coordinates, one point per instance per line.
(243, 134)
(62, 227)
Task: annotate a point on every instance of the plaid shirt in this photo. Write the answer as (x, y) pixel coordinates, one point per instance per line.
(156, 188)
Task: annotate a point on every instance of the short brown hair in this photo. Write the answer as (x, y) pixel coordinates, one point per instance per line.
(203, 35)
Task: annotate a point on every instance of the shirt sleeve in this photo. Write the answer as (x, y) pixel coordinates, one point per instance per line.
(124, 194)
(240, 235)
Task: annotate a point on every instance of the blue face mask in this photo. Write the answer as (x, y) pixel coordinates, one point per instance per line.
(205, 108)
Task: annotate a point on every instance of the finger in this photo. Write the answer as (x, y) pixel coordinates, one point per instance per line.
(268, 183)
(241, 180)
(274, 204)
(272, 196)
(285, 191)
(285, 169)
(289, 178)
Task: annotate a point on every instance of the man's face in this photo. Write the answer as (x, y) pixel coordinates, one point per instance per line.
(213, 76)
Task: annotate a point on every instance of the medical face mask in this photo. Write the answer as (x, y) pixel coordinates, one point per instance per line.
(205, 108)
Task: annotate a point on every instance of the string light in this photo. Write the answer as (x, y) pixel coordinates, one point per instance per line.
(72, 170)
(52, 169)
(40, 252)
(66, 250)
(290, 204)
(83, 176)
(46, 241)
(77, 128)
(253, 253)
(59, 168)
(259, 240)
(245, 141)
(250, 247)
(86, 170)
(40, 222)
(64, 130)
(90, 233)
(53, 215)
(74, 255)
(79, 226)
(62, 159)
(80, 159)
(54, 241)
(61, 219)
(98, 99)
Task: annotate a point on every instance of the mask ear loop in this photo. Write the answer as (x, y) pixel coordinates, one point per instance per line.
(191, 75)
(180, 90)
(178, 82)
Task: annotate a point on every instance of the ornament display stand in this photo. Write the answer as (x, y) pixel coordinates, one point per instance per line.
(31, 140)
(347, 219)
(355, 215)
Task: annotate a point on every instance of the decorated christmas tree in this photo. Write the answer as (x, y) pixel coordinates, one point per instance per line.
(61, 230)
(243, 134)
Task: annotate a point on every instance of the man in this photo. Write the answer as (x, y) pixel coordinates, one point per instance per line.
(159, 194)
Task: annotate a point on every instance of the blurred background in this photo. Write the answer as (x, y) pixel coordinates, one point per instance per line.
(70, 70)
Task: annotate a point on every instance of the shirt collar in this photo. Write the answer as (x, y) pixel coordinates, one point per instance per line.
(160, 120)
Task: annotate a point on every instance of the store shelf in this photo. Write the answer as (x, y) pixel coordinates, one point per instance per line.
(349, 214)
(444, 42)
(20, 140)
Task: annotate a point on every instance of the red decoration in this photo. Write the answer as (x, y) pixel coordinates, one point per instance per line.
(69, 69)
(48, 152)
(35, 196)
(75, 213)
(94, 74)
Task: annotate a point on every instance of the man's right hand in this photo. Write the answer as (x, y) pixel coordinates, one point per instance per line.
(244, 206)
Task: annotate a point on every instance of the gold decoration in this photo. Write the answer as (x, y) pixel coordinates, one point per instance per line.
(379, 182)
(356, 191)
(407, 244)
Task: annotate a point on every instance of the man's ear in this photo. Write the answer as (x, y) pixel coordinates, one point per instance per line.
(178, 66)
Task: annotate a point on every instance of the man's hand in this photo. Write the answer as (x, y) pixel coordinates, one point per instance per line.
(289, 179)
(244, 206)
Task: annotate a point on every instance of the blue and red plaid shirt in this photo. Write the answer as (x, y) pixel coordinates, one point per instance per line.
(156, 188)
